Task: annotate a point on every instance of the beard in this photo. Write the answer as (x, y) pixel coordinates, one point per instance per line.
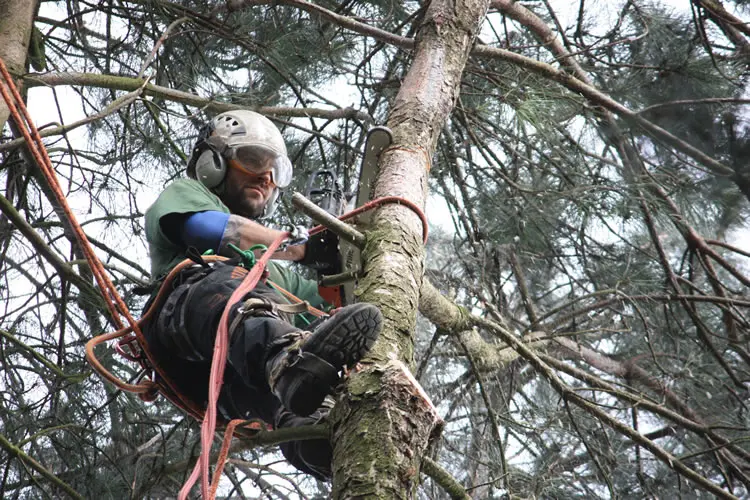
(241, 204)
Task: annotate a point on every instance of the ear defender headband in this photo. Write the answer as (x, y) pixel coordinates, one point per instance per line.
(207, 163)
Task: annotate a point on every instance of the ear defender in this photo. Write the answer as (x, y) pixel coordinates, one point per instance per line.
(224, 137)
(207, 163)
(210, 168)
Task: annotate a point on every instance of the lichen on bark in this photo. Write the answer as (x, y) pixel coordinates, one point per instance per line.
(16, 23)
(382, 425)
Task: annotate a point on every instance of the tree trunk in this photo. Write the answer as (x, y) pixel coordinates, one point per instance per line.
(16, 22)
(383, 424)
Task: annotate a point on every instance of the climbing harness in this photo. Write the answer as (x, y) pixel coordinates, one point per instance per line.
(130, 341)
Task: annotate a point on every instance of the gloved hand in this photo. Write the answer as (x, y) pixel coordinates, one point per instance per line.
(297, 235)
(322, 253)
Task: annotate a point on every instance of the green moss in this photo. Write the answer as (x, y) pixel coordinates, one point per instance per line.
(364, 383)
(400, 296)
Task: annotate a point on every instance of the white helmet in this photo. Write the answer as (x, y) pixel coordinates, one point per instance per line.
(237, 135)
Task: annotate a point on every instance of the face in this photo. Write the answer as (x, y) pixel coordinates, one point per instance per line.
(247, 193)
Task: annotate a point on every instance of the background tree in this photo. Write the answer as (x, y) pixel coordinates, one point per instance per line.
(585, 281)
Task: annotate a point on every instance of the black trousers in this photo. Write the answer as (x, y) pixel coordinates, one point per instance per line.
(182, 338)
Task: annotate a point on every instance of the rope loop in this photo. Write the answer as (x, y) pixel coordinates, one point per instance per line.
(148, 389)
(384, 200)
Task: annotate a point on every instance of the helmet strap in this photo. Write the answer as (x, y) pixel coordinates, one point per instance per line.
(273, 201)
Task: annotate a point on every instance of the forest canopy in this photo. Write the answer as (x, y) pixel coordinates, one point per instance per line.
(578, 317)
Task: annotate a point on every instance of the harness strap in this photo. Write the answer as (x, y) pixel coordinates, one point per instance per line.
(256, 306)
(290, 296)
(296, 361)
(254, 303)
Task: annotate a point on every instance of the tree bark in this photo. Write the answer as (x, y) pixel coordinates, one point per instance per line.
(16, 22)
(382, 425)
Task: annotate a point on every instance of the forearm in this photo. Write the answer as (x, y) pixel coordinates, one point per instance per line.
(245, 233)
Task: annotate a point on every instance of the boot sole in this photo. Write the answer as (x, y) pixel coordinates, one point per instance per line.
(341, 341)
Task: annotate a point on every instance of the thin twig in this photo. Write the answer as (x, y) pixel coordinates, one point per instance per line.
(26, 459)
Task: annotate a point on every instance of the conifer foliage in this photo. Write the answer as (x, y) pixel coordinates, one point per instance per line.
(583, 326)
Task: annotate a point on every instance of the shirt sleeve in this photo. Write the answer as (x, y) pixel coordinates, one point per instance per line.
(182, 197)
(303, 288)
(204, 230)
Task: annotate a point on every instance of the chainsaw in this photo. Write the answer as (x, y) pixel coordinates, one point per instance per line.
(324, 190)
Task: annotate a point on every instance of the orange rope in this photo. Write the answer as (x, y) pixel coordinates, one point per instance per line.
(112, 299)
(114, 302)
(147, 388)
(117, 306)
(39, 152)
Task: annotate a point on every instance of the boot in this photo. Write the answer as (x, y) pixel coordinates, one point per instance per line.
(311, 456)
(306, 368)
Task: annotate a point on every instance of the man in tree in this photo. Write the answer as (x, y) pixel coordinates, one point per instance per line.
(275, 371)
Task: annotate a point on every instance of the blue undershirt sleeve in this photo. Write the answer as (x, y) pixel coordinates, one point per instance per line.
(204, 230)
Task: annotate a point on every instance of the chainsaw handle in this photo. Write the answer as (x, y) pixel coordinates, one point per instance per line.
(324, 190)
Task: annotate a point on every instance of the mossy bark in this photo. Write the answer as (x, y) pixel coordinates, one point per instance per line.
(16, 23)
(383, 423)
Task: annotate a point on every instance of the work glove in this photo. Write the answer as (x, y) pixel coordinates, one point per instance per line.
(322, 253)
(297, 235)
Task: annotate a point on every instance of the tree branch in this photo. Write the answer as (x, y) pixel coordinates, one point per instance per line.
(126, 83)
(444, 479)
(45, 251)
(115, 105)
(26, 459)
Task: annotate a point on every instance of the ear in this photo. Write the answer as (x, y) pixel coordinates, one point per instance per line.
(199, 148)
(207, 163)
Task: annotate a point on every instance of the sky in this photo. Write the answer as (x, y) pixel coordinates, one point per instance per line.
(44, 108)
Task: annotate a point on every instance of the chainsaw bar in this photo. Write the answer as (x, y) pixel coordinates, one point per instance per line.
(378, 140)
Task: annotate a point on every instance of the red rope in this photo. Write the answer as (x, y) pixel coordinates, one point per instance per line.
(382, 201)
(117, 306)
(221, 347)
(218, 364)
(224, 453)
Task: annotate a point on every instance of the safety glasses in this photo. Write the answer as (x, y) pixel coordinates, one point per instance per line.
(257, 160)
(262, 177)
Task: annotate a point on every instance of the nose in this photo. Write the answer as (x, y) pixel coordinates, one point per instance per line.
(263, 179)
